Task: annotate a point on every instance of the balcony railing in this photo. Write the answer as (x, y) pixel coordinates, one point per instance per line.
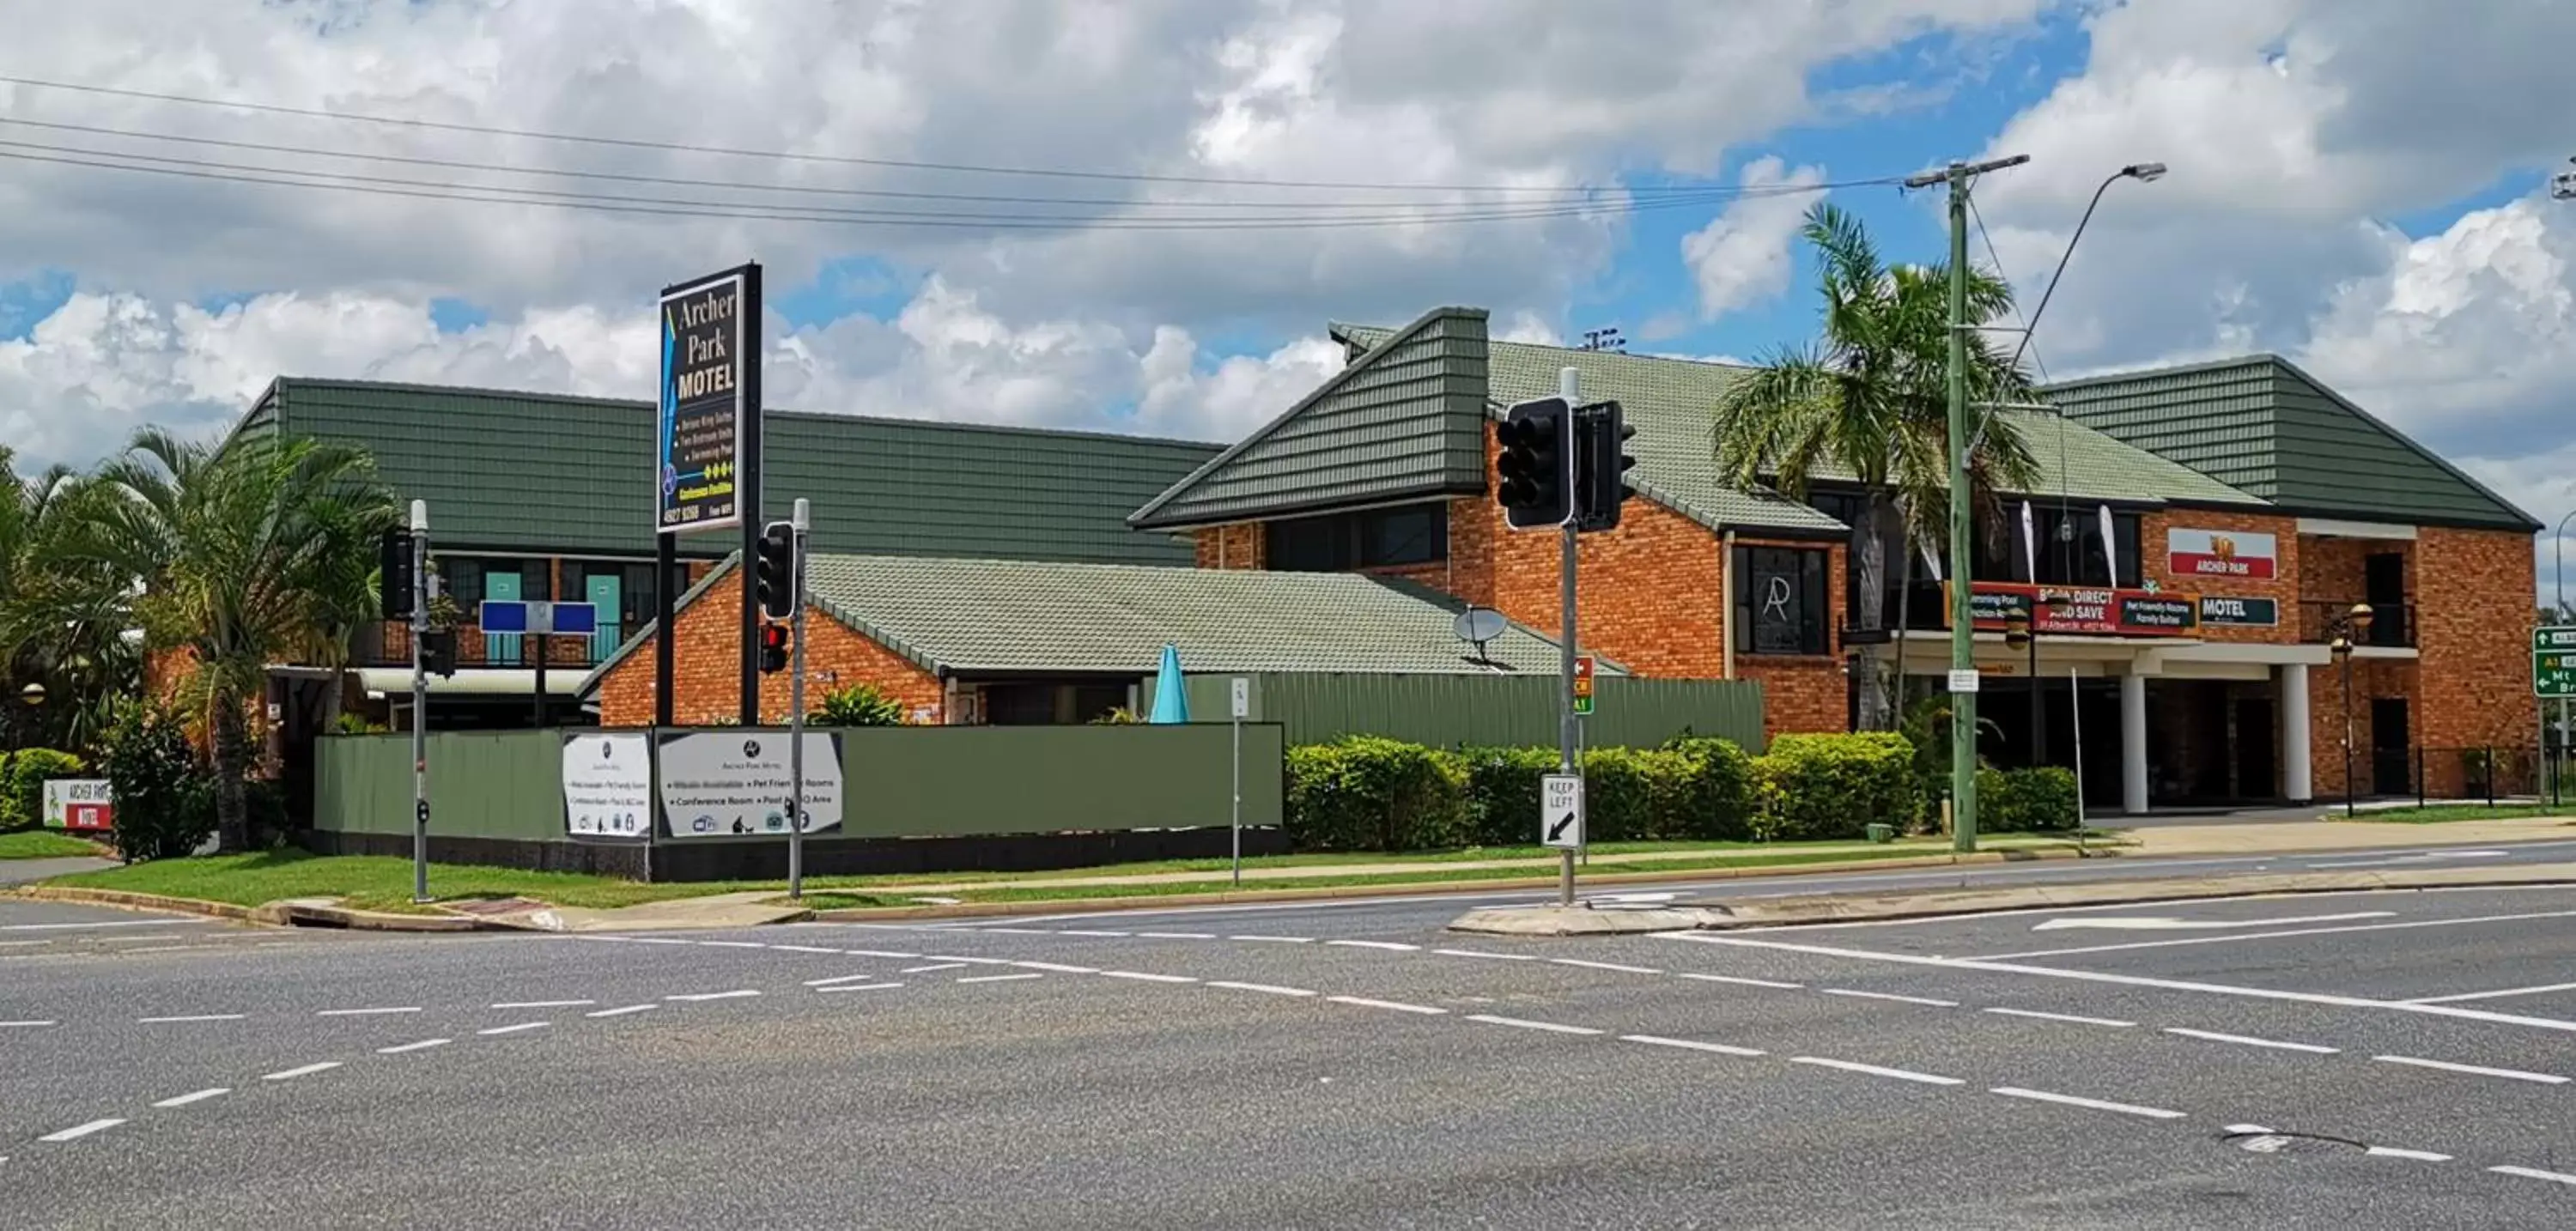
(2392, 625)
(389, 645)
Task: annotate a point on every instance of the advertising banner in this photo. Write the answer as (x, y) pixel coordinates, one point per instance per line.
(710, 329)
(2088, 610)
(2220, 553)
(736, 783)
(608, 785)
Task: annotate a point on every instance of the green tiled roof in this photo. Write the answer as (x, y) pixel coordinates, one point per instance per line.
(1403, 422)
(526, 472)
(2263, 425)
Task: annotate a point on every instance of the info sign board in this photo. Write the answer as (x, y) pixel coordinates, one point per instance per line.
(1560, 811)
(2221, 553)
(707, 429)
(608, 784)
(737, 782)
(1583, 684)
(2553, 662)
(81, 805)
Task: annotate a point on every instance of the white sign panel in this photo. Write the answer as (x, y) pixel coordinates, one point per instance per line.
(1242, 696)
(608, 785)
(1560, 811)
(1963, 681)
(88, 797)
(2221, 553)
(719, 784)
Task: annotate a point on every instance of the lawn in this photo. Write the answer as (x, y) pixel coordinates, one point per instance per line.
(43, 844)
(2434, 814)
(377, 882)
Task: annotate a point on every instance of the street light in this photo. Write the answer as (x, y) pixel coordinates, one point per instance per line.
(32, 694)
(2144, 173)
(2345, 629)
(2021, 633)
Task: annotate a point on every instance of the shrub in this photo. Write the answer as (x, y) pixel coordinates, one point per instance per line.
(1502, 793)
(1713, 801)
(1635, 795)
(2025, 800)
(1834, 786)
(22, 784)
(165, 805)
(859, 705)
(1365, 793)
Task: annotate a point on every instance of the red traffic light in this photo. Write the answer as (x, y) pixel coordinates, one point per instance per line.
(773, 647)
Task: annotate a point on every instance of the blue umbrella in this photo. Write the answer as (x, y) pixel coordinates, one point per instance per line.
(1171, 703)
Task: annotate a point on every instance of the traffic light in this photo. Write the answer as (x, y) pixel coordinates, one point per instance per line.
(1531, 472)
(776, 570)
(396, 576)
(773, 647)
(438, 652)
(1601, 463)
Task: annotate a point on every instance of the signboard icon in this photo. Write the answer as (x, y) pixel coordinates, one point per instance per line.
(1561, 811)
(2553, 662)
(1963, 681)
(1583, 684)
(1241, 697)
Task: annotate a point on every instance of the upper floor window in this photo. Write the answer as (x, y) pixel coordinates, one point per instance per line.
(1780, 603)
(1375, 538)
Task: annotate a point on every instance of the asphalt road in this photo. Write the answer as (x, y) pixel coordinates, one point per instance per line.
(2354, 1060)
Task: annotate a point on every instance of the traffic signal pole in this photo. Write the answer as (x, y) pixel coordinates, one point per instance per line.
(802, 520)
(1569, 383)
(419, 588)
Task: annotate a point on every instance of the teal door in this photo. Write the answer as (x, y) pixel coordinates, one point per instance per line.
(502, 648)
(605, 591)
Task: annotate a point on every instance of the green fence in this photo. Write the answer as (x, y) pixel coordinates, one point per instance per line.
(897, 782)
(1448, 710)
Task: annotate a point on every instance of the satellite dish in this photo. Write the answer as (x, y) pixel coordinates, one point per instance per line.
(1479, 625)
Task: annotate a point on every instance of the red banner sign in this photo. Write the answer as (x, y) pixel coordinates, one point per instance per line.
(2087, 610)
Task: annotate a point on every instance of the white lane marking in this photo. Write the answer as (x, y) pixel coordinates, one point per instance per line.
(733, 944)
(1271, 988)
(2062, 1017)
(1852, 992)
(2546, 1079)
(1625, 970)
(20, 944)
(409, 1008)
(2167, 923)
(133, 940)
(1499, 957)
(80, 1130)
(969, 961)
(1179, 935)
(198, 1097)
(803, 949)
(623, 1011)
(2421, 1156)
(2558, 1177)
(859, 987)
(423, 1045)
(542, 1004)
(1083, 932)
(1526, 1024)
(998, 978)
(193, 1017)
(841, 979)
(1693, 1044)
(694, 997)
(27, 1025)
(2249, 1041)
(301, 1070)
(2417, 857)
(661, 940)
(887, 953)
(2496, 995)
(1852, 1066)
(923, 970)
(1145, 977)
(1397, 1005)
(117, 923)
(2099, 976)
(1740, 981)
(1388, 945)
(1019, 931)
(2126, 1109)
(514, 1029)
(1278, 940)
(1057, 968)
(166, 948)
(2227, 940)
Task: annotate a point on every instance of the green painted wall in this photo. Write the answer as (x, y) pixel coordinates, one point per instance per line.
(1448, 710)
(500, 784)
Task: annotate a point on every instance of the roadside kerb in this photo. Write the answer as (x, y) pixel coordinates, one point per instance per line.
(291, 912)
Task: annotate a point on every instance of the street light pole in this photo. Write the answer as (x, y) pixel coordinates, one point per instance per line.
(2347, 629)
(2558, 570)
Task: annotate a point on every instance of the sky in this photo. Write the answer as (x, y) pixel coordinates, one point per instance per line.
(2357, 185)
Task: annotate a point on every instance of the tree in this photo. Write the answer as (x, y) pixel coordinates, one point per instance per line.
(1869, 398)
(240, 557)
(59, 629)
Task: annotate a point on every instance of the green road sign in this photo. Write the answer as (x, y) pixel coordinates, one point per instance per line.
(2553, 662)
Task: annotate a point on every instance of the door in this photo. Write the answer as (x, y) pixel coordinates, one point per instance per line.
(2253, 740)
(505, 647)
(605, 591)
(2384, 588)
(2391, 761)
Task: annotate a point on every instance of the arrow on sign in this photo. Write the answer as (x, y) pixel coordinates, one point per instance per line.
(2160, 923)
(1557, 830)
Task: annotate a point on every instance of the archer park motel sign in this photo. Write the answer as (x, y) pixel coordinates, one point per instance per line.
(2553, 662)
(708, 330)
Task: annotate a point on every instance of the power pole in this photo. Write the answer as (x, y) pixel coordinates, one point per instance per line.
(1569, 386)
(420, 595)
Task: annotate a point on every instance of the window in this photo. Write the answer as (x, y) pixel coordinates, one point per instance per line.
(1377, 538)
(1780, 603)
(468, 579)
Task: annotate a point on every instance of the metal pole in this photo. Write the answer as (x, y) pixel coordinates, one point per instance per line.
(748, 484)
(2038, 732)
(420, 597)
(1235, 818)
(1963, 705)
(666, 577)
(1569, 385)
(2347, 734)
(2074, 696)
(801, 519)
(538, 695)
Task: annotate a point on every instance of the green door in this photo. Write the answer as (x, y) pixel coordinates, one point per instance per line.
(503, 647)
(605, 591)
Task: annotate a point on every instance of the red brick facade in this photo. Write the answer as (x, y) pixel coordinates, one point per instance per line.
(706, 662)
(2282, 587)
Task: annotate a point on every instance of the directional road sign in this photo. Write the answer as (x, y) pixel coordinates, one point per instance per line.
(2553, 662)
(1561, 811)
(513, 615)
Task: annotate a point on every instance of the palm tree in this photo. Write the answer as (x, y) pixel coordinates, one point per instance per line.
(1869, 400)
(53, 630)
(245, 556)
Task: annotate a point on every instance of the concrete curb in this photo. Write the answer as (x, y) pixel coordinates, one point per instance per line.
(290, 912)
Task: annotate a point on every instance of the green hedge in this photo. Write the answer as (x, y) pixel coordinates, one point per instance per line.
(1827, 787)
(1369, 794)
(1366, 793)
(2025, 800)
(22, 784)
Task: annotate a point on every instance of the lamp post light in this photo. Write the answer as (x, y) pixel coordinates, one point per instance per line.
(2347, 628)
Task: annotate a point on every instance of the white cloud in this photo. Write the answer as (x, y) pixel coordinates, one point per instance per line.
(1743, 255)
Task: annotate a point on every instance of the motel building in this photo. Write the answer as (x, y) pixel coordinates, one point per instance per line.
(2198, 541)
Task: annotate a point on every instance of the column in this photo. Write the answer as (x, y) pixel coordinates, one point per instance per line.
(2296, 762)
(2133, 743)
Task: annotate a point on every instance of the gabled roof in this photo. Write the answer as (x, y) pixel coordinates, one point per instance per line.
(530, 472)
(2263, 425)
(1020, 617)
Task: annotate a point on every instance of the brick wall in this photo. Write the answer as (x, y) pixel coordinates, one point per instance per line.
(2372, 678)
(2283, 586)
(1806, 692)
(2473, 621)
(707, 664)
(1237, 546)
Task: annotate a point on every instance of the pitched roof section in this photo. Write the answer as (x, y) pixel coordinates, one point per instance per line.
(1403, 421)
(2262, 424)
(531, 472)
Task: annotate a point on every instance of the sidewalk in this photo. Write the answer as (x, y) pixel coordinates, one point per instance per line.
(2297, 837)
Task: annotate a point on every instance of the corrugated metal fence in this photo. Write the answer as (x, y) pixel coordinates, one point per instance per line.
(1448, 710)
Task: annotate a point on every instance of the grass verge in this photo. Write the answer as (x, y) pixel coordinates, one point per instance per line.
(2435, 814)
(44, 844)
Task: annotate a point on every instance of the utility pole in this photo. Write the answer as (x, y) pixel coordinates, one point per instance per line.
(803, 520)
(420, 591)
(1569, 386)
(1963, 656)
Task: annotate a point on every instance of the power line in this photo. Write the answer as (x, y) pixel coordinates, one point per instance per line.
(1998, 258)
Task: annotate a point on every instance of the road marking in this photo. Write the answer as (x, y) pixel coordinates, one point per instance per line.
(662, 940)
(1057, 968)
(694, 997)
(1499, 957)
(1278, 940)
(2167, 923)
(543, 1004)
(2126, 1109)
(621, 1012)
(301, 1070)
(1740, 981)
(1147, 978)
(1271, 988)
(423, 1045)
(2510, 991)
(1845, 991)
(1180, 935)
(80, 1130)
(195, 1017)
(923, 970)
(803, 949)
(843, 979)
(514, 1029)
(859, 987)
(1388, 945)
(2525, 1172)
(1851, 1066)
(969, 961)
(198, 1097)
(2224, 940)
(1085, 932)
(733, 944)
(131, 940)
(2215, 1037)
(29, 1025)
(20, 944)
(2546, 1079)
(998, 978)
(1625, 970)
(2418, 857)
(901, 957)
(74, 927)
(2062, 1017)
(166, 949)
(1397, 1005)
(1019, 931)
(1526, 1024)
(2421, 1156)
(411, 1008)
(1694, 1045)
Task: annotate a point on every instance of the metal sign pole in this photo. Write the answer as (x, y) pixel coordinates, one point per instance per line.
(1235, 815)
(2075, 706)
(420, 596)
(802, 519)
(1569, 383)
